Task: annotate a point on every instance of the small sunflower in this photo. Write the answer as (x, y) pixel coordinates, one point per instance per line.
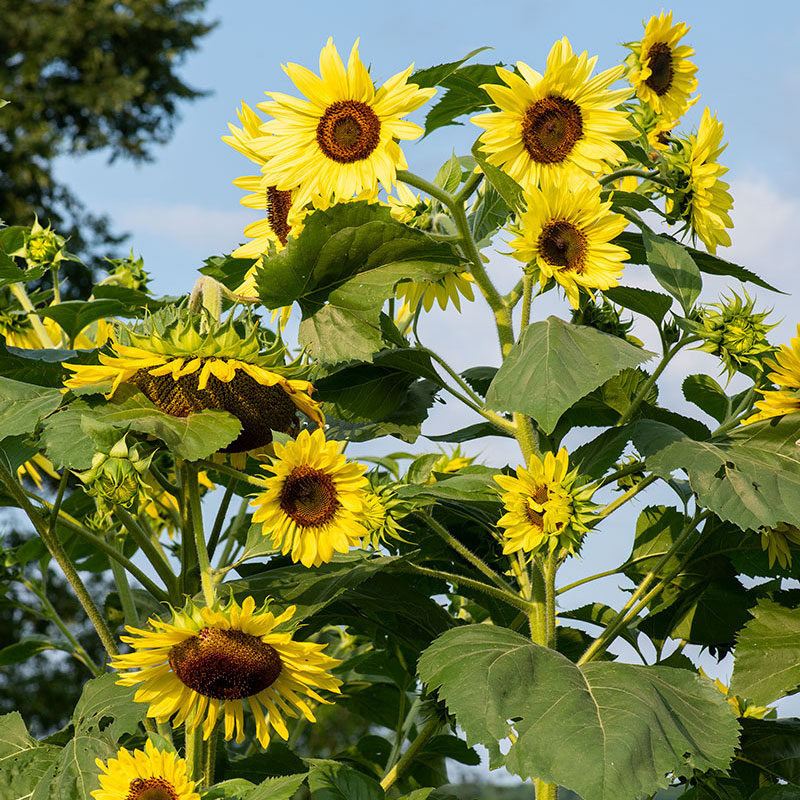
(450, 463)
(343, 139)
(562, 122)
(545, 510)
(147, 774)
(382, 512)
(659, 69)
(314, 502)
(565, 234)
(702, 198)
(32, 467)
(785, 400)
(778, 542)
(182, 369)
(206, 662)
(450, 288)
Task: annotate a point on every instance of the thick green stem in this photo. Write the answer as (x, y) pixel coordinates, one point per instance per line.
(125, 595)
(623, 498)
(219, 520)
(476, 562)
(210, 757)
(645, 174)
(230, 540)
(410, 754)
(53, 544)
(538, 618)
(41, 332)
(470, 185)
(550, 567)
(203, 561)
(234, 473)
(194, 752)
(151, 552)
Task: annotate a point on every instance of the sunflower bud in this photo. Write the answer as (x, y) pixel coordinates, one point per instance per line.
(734, 333)
(116, 476)
(42, 246)
(127, 272)
(632, 478)
(606, 318)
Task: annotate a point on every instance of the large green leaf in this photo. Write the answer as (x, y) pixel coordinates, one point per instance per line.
(751, 477)
(766, 665)
(329, 780)
(773, 746)
(674, 269)
(74, 315)
(556, 363)
(341, 270)
(280, 788)
(433, 76)
(607, 731)
(22, 406)
(23, 760)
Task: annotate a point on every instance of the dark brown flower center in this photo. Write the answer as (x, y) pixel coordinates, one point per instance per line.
(278, 205)
(536, 518)
(260, 409)
(562, 244)
(309, 496)
(550, 129)
(225, 665)
(151, 789)
(659, 59)
(348, 131)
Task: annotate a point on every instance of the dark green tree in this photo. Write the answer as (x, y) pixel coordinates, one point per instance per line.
(84, 76)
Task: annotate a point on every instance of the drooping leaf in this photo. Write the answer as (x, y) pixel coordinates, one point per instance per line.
(433, 76)
(554, 364)
(470, 433)
(596, 457)
(506, 186)
(605, 730)
(766, 666)
(673, 268)
(22, 406)
(11, 273)
(27, 648)
(643, 301)
(74, 315)
(707, 394)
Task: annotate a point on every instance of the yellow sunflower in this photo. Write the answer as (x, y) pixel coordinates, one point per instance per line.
(343, 139)
(778, 541)
(544, 509)
(18, 332)
(786, 374)
(450, 288)
(33, 465)
(183, 370)
(659, 69)
(565, 234)
(561, 122)
(147, 774)
(207, 663)
(702, 198)
(314, 502)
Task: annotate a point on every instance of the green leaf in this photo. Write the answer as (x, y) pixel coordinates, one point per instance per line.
(602, 615)
(333, 335)
(643, 301)
(233, 789)
(766, 665)
(477, 431)
(23, 760)
(22, 406)
(449, 175)
(506, 186)
(11, 273)
(27, 648)
(470, 485)
(773, 746)
(553, 365)
(134, 302)
(329, 780)
(488, 215)
(711, 265)
(463, 96)
(280, 788)
(74, 315)
(479, 378)
(673, 268)
(777, 792)
(605, 730)
(596, 457)
(751, 477)
(708, 395)
(433, 76)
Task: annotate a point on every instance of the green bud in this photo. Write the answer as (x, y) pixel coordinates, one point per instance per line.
(116, 476)
(127, 272)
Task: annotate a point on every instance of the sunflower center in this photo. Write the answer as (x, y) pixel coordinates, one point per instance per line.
(151, 789)
(550, 129)
(659, 59)
(309, 496)
(348, 131)
(278, 205)
(536, 518)
(225, 665)
(563, 244)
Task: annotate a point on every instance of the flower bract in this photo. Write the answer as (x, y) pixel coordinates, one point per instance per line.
(209, 664)
(313, 505)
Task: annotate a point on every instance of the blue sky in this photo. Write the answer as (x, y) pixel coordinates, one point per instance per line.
(183, 207)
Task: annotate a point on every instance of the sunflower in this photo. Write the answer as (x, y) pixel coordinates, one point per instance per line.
(206, 662)
(565, 234)
(450, 288)
(183, 369)
(147, 774)
(544, 508)
(702, 198)
(778, 542)
(33, 465)
(382, 512)
(18, 332)
(341, 140)
(562, 122)
(314, 502)
(785, 400)
(659, 69)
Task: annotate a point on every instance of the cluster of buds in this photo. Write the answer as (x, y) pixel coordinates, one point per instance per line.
(117, 477)
(733, 332)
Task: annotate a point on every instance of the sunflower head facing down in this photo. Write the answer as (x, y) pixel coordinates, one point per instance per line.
(343, 138)
(786, 374)
(314, 503)
(562, 122)
(565, 235)
(659, 68)
(209, 664)
(147, 774)
(544, 509)
(184, 363)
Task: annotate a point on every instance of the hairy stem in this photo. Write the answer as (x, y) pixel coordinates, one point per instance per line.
(410, 754)
(18, 290)
(151, 552)
(204, 562)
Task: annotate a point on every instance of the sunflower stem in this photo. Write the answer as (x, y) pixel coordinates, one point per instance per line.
(210, 754)
(125, 595)
(194, 751)
(230, 540)
(204, 562)
(18, 290)
(469, 187)
(622, 499)
(53, 544)
(410, 754)
(219, 520)
(646, 174)
(233, 473)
